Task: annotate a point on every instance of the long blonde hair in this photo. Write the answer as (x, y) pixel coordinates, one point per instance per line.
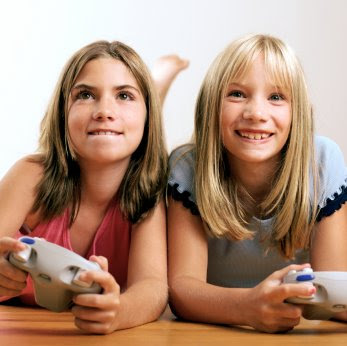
(224, 212)
(145, 178)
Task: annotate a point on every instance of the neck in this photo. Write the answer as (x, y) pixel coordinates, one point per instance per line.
(101, 183)
(256, 178)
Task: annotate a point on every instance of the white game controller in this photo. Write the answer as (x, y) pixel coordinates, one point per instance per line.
(330, 296)
(55, 272)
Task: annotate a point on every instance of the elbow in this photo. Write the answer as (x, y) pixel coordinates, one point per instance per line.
(178, 301)
(161, 300)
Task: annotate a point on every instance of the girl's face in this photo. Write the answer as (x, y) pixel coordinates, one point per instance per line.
(255, 118)
(107, 112)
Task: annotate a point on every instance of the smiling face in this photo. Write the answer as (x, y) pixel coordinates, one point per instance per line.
(255, 118)
(106, 113)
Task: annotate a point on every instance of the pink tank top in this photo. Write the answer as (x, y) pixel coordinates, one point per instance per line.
(111, 240)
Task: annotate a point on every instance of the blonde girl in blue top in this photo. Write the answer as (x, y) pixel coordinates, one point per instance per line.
(254, 195)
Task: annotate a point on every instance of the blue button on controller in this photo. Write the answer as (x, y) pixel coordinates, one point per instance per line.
(305, 277)
(29, 241)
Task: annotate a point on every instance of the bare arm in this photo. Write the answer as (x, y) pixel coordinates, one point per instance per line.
(192, 298)
(17, 194)
(146, 295)
(329, 244)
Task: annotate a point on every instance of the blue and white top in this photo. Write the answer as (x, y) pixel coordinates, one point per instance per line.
(246, 263)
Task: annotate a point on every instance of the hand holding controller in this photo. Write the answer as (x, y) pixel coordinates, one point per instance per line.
(330, 296)
(55, 272)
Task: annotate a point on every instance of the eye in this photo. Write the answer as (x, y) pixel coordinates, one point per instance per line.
(84, 95)
(276, 97)
(236, 94)
(125, 96)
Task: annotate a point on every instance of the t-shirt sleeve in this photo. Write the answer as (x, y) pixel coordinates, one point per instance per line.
(181, 177)
(332, 190)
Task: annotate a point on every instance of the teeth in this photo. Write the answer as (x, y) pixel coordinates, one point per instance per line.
(253, 135)
(104, 133)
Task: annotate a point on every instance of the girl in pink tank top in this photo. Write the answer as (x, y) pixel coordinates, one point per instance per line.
(111, 240)
(96, 187)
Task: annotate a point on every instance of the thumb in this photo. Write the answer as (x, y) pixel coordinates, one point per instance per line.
(8, 244)
(280, 274)
(101, 261)
(285, 291)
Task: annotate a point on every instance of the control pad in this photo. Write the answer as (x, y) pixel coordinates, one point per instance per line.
(55, 272)
(329, 298)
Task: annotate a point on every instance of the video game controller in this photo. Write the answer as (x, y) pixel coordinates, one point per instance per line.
(330, 296)
(55, 272)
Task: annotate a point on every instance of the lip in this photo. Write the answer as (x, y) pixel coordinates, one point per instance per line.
(254, 134)
(104, 132)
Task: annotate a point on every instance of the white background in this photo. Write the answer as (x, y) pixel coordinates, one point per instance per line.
(38, 36)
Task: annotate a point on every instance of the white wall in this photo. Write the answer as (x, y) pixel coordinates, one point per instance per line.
(38, 36)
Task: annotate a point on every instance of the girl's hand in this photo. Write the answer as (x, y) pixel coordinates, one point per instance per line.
(97, 313)
(12, 279)
(267, 310)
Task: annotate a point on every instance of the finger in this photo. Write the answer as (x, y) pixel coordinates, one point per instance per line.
(7, 283)
(7, 292)
(101, 261)
(280, 324)
(11, 272)
(104, 279)
(286, 324)
(97, 301)
(289, 311)
(110, 296)
(93, 315)
(8, 244)
(285, 291)
(280, 274)
(93, 327)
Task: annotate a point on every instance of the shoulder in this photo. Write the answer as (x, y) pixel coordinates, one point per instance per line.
(328, 153)
(26, 170)
(19, 187)
(181, 176)
(332, 174)
(181, 167)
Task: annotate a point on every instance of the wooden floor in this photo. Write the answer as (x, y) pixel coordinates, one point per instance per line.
(26, 326)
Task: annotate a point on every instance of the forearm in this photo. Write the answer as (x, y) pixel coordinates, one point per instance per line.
(141, 303)
(196, 300)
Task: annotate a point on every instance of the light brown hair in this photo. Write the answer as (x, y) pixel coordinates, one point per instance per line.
(145, 179)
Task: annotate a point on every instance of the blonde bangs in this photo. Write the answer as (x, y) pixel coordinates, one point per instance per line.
(277, 70)
(240, 57)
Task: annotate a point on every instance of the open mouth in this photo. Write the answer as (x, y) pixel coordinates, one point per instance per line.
(103, 133)
(254, 135)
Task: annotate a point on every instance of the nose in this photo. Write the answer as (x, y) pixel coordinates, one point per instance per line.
(105, 108)
(256, 110)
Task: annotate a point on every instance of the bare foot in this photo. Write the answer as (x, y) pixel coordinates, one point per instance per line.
(165, 71)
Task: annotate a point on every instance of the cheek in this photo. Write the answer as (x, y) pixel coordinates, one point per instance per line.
(286, 121)
(141, 127)
(229, 114)
(74, 124)
(137, 119)
(227, 122)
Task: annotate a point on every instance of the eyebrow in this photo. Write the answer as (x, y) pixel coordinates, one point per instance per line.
(118, 87)
(238, 84)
